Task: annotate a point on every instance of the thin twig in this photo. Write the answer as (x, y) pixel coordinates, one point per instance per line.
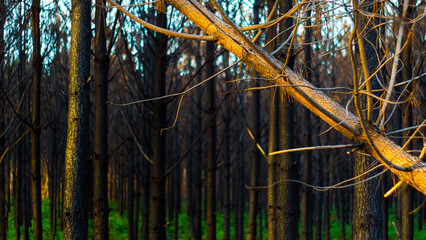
(394, 67)
(161, 30)
(322, 147)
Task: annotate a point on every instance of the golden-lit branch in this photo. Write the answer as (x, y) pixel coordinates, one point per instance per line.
(158, 29)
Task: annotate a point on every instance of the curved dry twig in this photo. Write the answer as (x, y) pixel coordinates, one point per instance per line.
(161, 30)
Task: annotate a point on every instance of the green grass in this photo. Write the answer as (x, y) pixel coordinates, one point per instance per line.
(118, 225)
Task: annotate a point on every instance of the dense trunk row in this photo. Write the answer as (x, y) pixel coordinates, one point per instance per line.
(97, 145)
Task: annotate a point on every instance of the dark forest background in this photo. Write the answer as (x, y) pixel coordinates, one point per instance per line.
(169, 138)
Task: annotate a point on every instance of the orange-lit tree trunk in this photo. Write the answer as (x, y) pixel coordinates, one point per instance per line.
(272, 138)
(367, 210)
(77, 147)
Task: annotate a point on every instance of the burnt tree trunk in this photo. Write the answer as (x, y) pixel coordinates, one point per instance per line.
(158, 178)
(100, 161)
(77, 146)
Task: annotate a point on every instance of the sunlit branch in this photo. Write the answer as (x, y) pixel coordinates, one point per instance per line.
(275, 21)
(322, 147)
(161, 30)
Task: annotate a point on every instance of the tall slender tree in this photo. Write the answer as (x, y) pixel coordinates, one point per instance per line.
(227, 161)
(77, 147)
(158, 178)
(367, 215)
(35, 126)
(287, 212)
(3, 208)
(407, 195)
(272, 136)
(253, 207)
(211, 143)
(100, 161)
(306, 201)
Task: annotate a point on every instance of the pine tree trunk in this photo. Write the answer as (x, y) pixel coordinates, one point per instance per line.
(367, 215)
(3, 208)
(407, 195)
(100, 161)
(35, 130)
(239, 198)
(272, 139)
(254, 182)
(287, 192)
(307, 206)
(227, 161)
(211, 153)
(158, 178)
(145, 200)
(77, 146)
(130, 195)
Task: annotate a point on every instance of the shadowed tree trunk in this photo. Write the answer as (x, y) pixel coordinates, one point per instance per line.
(272, 139)
(19, 161)
(287, 212)
(35, 126)
(158, 178)
(77, 146)
(53, 179)
(100, 161)
(306, 201)
(130, 194)
(253, 207)
(407, 195)
(239, 197)
(211, 152)
(145, 199)
(197, 166)
(227, 161)
(3, 208)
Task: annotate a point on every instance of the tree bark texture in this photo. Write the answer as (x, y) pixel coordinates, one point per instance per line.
(130, 196)
(407, 195)
(158, 177)
(77, 146)
(307, 206)
(100, 161)
(272, 138)
(3, 208)
(35, 126)
(367, 215)
(211, 142)
(287, 211)
(227, 162)
(253, 206)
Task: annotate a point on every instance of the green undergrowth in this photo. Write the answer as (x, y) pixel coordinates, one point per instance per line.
(118, 225)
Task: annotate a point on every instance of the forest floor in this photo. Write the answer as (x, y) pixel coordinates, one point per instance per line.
(118, 226)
